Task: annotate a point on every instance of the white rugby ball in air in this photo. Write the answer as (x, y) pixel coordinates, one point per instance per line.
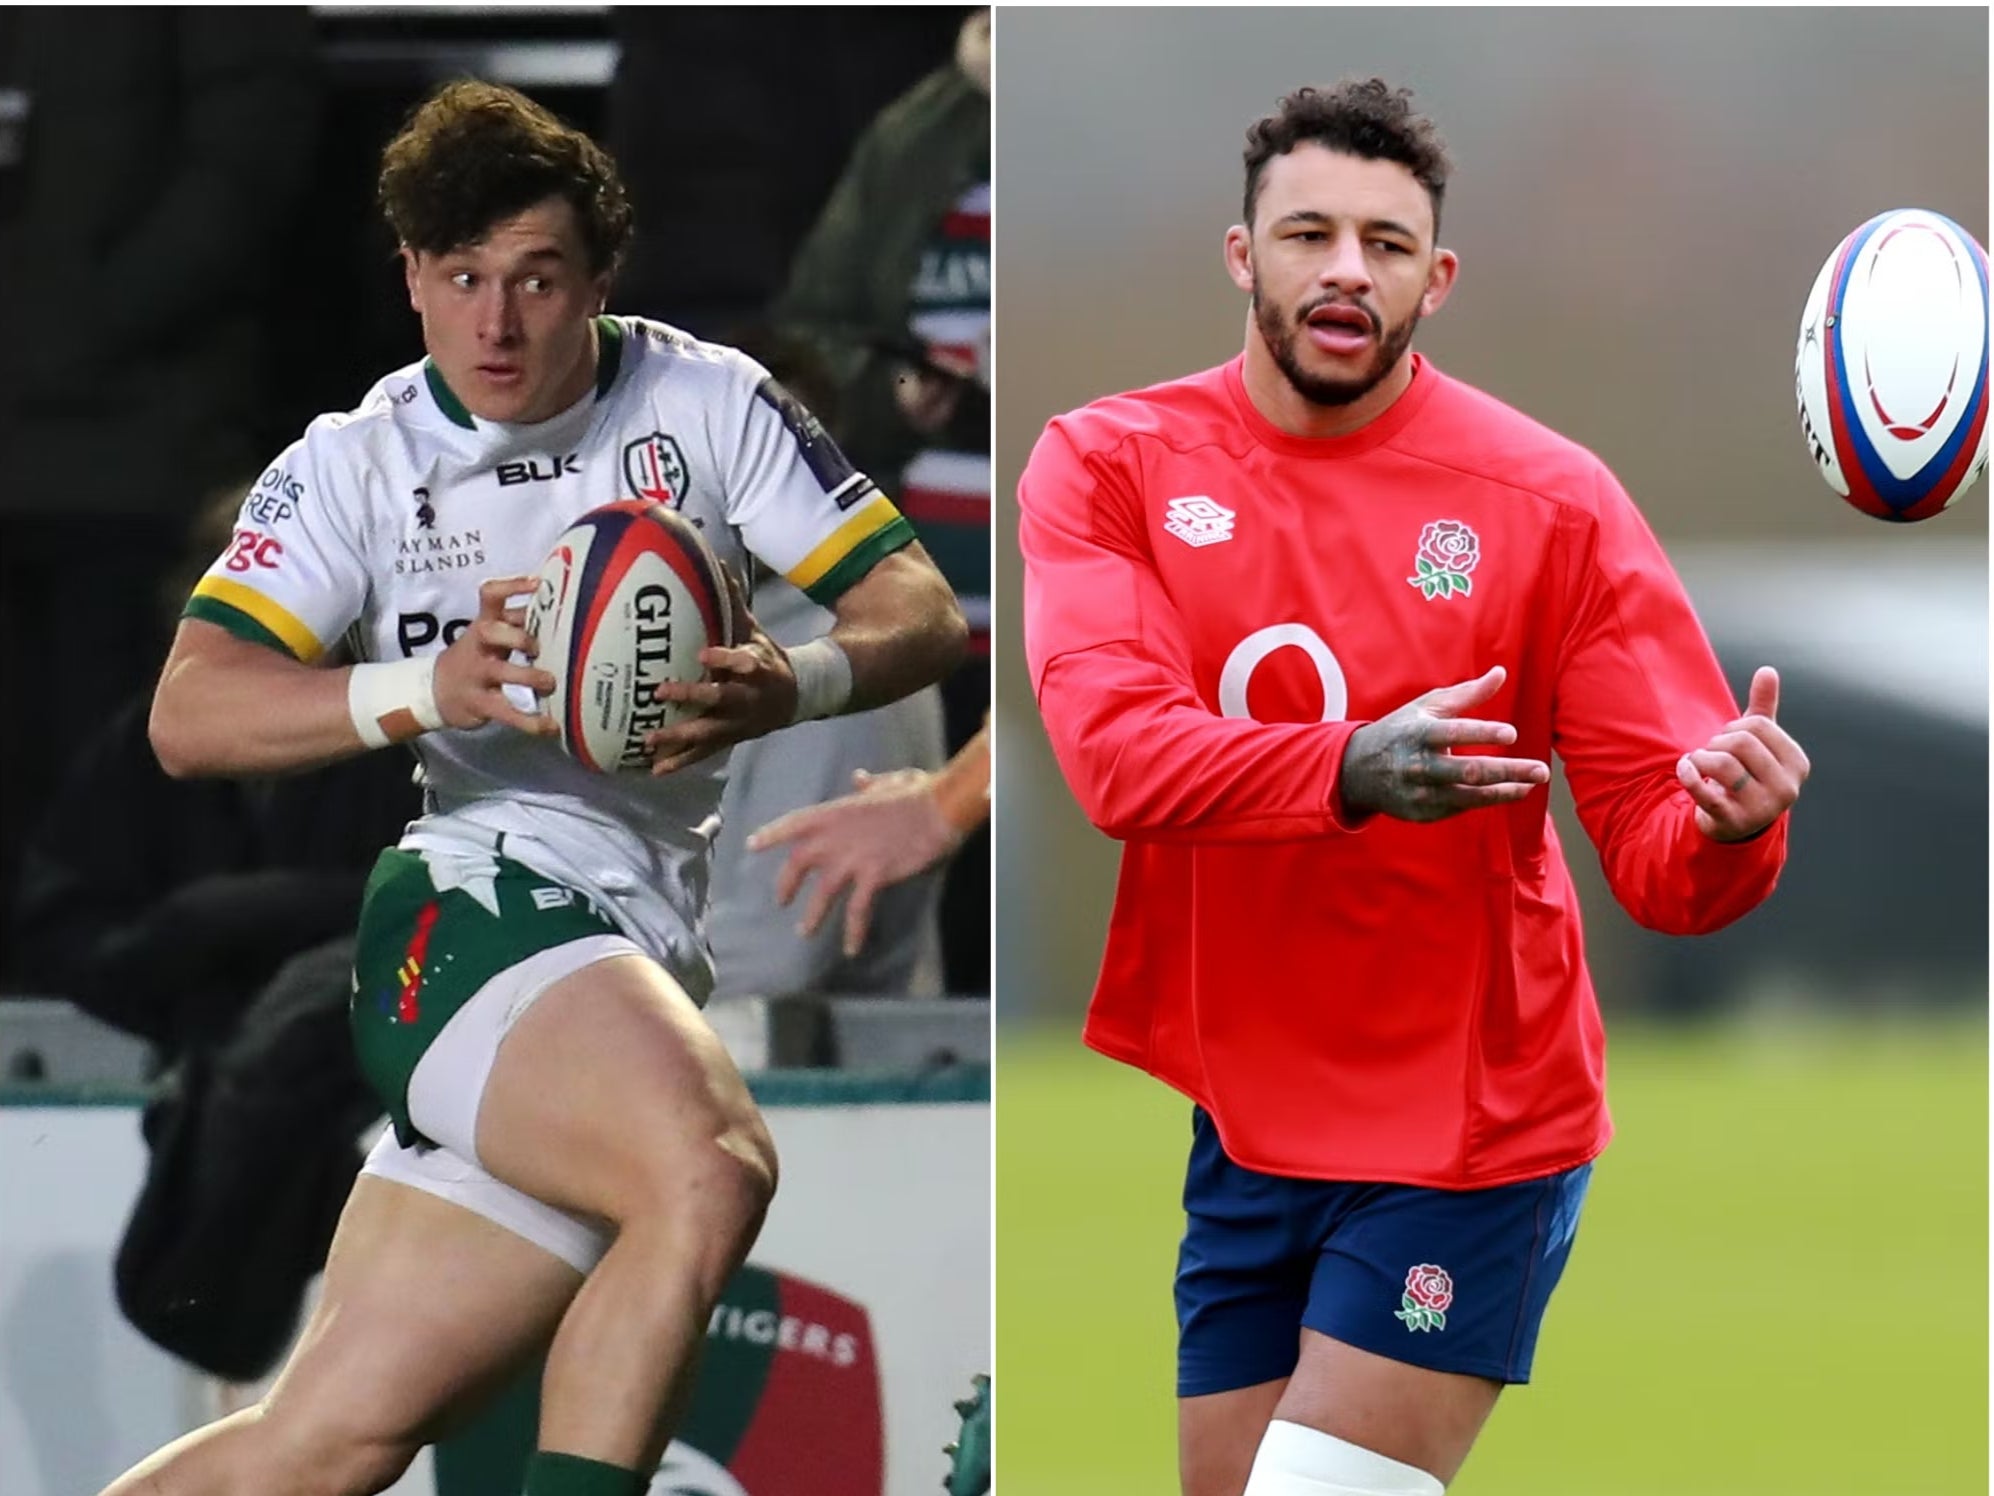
(627, 598)
(1891, 372)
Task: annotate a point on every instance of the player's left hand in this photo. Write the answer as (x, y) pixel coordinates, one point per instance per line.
(893, 828)
(750, 691)
(1750, 773)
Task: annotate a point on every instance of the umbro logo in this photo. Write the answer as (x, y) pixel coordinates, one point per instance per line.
(1198, 520)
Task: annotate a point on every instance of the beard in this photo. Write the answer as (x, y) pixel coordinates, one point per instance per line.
(1282, 335)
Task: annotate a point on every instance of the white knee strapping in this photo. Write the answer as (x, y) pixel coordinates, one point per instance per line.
(1295, 1460)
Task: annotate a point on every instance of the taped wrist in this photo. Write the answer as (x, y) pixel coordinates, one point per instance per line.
(823, 679)
(393, 701)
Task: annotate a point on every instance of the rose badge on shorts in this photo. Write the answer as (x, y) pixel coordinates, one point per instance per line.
(1448, 551)
(1428, 1293)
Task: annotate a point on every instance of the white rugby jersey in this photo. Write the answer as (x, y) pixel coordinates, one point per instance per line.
(380, 524)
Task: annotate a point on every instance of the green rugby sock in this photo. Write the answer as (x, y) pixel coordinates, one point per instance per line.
(570, 1475)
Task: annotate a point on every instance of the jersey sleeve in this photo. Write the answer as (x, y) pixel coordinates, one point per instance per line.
(1638, 686)
(800, 505)
(1110, 665)
(292, 575)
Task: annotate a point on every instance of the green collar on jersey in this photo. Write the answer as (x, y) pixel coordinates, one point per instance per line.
(609, 354)
(609, 358)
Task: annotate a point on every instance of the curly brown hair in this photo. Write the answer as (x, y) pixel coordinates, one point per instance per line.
(475, 154)
(1363, 117)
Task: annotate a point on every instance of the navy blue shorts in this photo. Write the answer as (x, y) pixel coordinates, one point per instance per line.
(1452, 1280)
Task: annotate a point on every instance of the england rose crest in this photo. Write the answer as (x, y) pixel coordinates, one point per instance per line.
(1448, 551)
(1428, 1293)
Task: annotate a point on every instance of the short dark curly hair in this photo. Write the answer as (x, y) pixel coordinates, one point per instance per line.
(475, 154)
(1363, 117)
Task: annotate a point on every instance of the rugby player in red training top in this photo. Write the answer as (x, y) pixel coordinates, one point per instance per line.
(1306, 630)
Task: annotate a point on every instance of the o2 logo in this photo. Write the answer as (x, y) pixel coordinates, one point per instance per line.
(1248, 655)
(251, 549)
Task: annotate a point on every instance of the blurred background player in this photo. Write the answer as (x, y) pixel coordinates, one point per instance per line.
(757, 950)
(151, 172)
(701, 116)
(161, 905)
(892, 288)
(592, 1163)
(1258, 629)
(894, 177)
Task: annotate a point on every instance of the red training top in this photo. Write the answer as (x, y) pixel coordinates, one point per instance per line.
(1212, 607)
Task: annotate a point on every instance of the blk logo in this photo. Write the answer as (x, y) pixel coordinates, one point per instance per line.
(532, 471)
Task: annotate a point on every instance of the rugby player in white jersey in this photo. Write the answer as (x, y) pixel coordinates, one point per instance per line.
(574, 1163)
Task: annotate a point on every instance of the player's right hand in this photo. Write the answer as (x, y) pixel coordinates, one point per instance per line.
(472, 674)
(1403, 765)
(750, 691)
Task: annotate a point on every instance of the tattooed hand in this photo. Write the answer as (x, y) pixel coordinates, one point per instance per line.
(1403, 765)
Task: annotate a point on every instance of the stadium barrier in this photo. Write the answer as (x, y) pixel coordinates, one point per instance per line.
(831, 1364)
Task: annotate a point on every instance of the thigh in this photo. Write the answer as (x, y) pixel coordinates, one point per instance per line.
(580, 1241)
(425, 1310)
(1250, 1242)
(1426, 1419)
(606, 1086)
(438, 929)
(1424, 1304)
(1449, 1280)
(1218, 1435)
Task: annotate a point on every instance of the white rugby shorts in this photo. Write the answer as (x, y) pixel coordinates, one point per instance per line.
(448, 1086)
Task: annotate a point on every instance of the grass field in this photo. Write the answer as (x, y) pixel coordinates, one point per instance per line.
(1779, 1286)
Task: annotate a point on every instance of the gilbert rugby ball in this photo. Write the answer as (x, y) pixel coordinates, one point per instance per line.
(627, 598)
(1891, 373)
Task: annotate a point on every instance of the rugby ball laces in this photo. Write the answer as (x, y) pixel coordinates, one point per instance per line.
(627, 598)
(1890, 373)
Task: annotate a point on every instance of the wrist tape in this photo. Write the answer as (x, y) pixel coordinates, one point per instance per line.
(393, 702)
(823, 679)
